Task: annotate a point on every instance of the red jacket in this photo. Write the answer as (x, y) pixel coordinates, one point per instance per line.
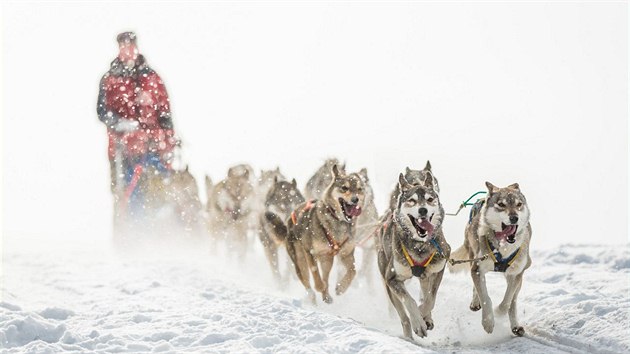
(136, 94)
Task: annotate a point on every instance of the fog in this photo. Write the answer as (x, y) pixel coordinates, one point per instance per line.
(502, 92)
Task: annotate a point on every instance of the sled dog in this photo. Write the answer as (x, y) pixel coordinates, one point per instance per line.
(410, 243)
(499, 229)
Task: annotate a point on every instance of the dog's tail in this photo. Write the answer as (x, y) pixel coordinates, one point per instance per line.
(460, 253)
(277, 226)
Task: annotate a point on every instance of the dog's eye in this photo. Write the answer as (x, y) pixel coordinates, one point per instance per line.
(519, 204)
(343, 189)
(501, 205)
(430, 200)
(411, 202)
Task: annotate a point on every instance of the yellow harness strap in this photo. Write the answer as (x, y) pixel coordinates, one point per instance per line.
(412, 262)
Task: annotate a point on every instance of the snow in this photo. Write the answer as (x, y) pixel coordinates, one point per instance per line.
(185, 297)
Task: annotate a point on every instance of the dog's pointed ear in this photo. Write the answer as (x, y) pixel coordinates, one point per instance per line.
(294, 183)
(428, 180)
(491, 187)
(363, 174)
(186, 168)
(278, 169)
(402, 183)
(407, 170)
(514, 186)
(335, 171)
(428, 166)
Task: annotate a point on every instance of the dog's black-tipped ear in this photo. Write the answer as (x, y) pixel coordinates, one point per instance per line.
(186, 169)
(491, 187)
(363, 174)
(294, 183)
(402, 183)
(514, 186)
(335, 171)
(428, 180)
(428, 166)
(407, 170)
(278, 169)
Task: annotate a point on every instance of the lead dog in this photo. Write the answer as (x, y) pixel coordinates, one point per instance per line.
(499, 228)
(410, 243)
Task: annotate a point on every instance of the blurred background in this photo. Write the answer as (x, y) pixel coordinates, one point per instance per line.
(506, 92)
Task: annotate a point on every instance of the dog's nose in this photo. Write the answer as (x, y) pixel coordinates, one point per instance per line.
(423, 212)
(513, 219)
(355, 199)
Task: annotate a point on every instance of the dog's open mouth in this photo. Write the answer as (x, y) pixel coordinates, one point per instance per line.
(508, 233)
(349, 210)
(424, 227)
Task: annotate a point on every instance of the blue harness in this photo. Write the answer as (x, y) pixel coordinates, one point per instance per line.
(502, 264)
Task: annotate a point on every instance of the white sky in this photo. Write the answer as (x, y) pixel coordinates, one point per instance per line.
(531, 93)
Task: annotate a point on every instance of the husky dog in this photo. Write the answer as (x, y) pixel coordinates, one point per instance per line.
(411, 243)
(282, 199)
(229, 204)
(317, 184)
(319, 230)
(414, 177)
(499, 228)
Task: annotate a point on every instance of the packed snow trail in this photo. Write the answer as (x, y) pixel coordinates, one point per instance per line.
(84, 296)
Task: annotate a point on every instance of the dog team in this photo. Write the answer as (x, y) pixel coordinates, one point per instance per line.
(336, 213)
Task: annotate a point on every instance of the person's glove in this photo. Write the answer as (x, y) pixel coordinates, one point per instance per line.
(126, 125)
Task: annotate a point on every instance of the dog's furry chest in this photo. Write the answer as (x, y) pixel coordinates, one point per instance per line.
(319, 231)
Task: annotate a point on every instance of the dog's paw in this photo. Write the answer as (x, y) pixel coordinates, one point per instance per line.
(327, 298)
(475, 307)
(419, 328)
(429, 323)
(488, 323)
(518, 331)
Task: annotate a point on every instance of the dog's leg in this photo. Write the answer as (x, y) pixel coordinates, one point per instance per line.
(516, 328)
(313, 266)
(429, 292)
(271, 252)
(348, 262)
(326, 264)
(399, 307)
(487, 316)
(475, 304)
(417, 323)
(505, 304)
(296, 252)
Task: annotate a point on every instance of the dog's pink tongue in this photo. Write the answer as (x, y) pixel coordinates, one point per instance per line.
(355, 211)
(425, 224)
(503, 234)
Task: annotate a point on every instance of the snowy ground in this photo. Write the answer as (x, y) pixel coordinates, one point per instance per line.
(85, 296)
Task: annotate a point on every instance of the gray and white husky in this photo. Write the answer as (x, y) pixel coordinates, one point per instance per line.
(499, 228)
(410, 243)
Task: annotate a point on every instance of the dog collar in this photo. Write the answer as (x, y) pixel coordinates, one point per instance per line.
(502, 264)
